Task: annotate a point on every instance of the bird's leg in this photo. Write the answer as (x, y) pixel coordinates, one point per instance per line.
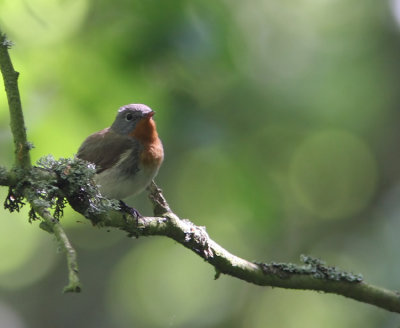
(130, 210)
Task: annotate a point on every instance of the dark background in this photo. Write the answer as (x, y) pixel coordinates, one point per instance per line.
(280, 122)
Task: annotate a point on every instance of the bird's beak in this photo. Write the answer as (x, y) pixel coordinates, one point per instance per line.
(150, 115)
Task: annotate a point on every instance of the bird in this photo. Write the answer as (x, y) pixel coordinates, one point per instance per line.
(127, 155)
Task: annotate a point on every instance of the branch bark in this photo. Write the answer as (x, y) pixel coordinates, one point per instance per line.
(54, 226)
(10, 77)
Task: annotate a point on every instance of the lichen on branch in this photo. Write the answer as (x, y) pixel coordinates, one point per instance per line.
(313, 267)
(51, 182)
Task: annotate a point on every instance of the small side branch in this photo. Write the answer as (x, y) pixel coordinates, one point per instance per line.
(51, 224)
(10, 77)
(160, 204)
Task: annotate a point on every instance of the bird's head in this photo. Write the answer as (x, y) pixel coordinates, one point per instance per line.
(129, 116)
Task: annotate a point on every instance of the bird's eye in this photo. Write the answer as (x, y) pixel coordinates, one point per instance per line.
(129, 117)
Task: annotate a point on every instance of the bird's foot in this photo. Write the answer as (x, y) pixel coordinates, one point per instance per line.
(129, 210)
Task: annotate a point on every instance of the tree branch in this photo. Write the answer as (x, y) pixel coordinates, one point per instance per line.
(23, 161)
(10, 77)
(47, 187)
(52, 225)
(313, 275)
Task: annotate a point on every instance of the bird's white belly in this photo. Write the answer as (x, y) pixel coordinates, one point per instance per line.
(115, 185)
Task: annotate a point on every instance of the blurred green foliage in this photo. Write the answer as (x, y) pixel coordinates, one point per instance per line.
(280, 121)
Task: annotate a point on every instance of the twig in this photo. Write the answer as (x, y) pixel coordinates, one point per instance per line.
(54, 226)
(160, 204)
(10, 77)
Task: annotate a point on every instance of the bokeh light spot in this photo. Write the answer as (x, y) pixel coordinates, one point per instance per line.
(324, 313)
(333, 174)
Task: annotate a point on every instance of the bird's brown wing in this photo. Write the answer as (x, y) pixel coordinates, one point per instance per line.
(104, 148)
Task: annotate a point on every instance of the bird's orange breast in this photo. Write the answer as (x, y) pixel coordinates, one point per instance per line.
(153, 152)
